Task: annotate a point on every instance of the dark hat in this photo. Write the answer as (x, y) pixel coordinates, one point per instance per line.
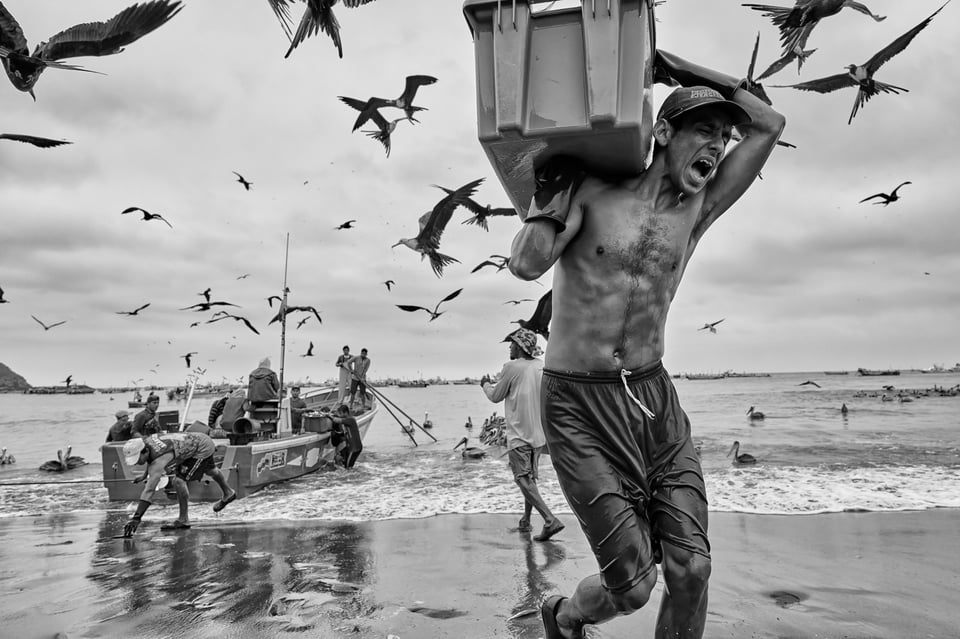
(685, 99)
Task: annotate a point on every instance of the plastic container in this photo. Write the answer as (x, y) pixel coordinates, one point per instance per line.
(169, 420)
(316, 423)
(571, 81)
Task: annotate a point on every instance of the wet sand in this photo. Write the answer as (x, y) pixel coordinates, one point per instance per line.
(855, 575)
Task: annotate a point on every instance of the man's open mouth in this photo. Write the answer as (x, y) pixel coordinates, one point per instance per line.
(703, 166)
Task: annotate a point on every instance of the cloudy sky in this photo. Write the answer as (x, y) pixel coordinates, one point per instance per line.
(805, 277)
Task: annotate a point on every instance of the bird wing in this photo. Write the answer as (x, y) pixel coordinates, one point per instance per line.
(43, 143)
(11, 35)
(883, 195)
(411, 309)
(502, 211)
(317, 17)
(894, 191)
(38, 322)
(778, 65)
(753, 58)
(823, 85)
(413, 83)
(897, 45)
(432, 229)
(482, 264)
(450, 296)
(247, 322)
(132, 209)
(105, 38)
(540, 319)
(281, 9)
(137, 310)
(353, 4)
(163, 219)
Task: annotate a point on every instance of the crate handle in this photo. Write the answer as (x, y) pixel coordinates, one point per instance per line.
(500, 16)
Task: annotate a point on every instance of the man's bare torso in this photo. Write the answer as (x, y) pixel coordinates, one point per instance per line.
(615, 281)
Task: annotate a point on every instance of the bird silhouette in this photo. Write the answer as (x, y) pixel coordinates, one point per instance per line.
(5, 301)
(809, 382)
(797, 52)
(284, 311)
(539, 322)
(244, 276)
(242, 180)
(134, 311)
(43, 143)
(309, 352)
(744, 458)
(803, 16)
(274, 297)
(753, 84)
(388, 284)
(469, 452)
(755, 414)
(188, 356)
(206, 306)
(480, 212)
(238, 318)
(303, 321)
(432, 225)
(317, 17)
(712, 326)
(499, 262)
(47, 327)
(436, 312)
(886, 198)
(405, 101)
(385, 131)
(205, 294)
(68, 381)
(87, 39)
(862, 76)
(147, 216)
(515, 302)
(346, 225)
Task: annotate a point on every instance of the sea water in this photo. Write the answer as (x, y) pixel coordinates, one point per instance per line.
(811, 458)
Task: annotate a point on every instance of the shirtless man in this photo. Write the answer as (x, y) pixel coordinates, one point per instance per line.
(618, 438)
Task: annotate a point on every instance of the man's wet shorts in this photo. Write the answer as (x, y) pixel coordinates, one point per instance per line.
(630, 480)
(200, 462)
(525, 460)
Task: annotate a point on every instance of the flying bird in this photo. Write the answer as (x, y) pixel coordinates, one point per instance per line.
(206, 306)
(303, 321)
(346, 225)
(244, 276)
(480, 212)
(242, 180)
(188, 356)
(432, 225)
(309, 352)
(809, 382)
(274, 297)
(234, 317)
(68, 380)
(712, 326)
(388, 284)
(499, 262)
(385, 130)
(405, 101)
(147, 216)
(539, 322)
(861, 76)
(887, 198)
(86, 39)
(3, 301)
(317, 17)
(753, 85)
(436, 312)
(797, 52)
(205, 294)
(43, 143)
(804, 15)
(134, 311)
(295, 309)
(516, 302)
(47, 327)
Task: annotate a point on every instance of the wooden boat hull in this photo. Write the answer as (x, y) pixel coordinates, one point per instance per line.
(247, 467)
(869, 373)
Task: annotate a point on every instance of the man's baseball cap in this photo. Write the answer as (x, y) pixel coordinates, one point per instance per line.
(131, 451)
(122, 413)
(685, 99)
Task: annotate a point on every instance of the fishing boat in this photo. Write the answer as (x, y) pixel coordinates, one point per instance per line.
(876, 373)
(412, 384)
(705, 375)
(261, 448)
(836, 372)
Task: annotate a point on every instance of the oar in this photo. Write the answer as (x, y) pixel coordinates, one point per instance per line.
(402, 427)
(380, 395)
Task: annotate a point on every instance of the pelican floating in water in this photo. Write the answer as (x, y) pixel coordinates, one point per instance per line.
(745, 458)
(426, 420)
(6, 458)
(469, 424)
(73, 461)
(755, 414)
(54, 465)
(470, 452)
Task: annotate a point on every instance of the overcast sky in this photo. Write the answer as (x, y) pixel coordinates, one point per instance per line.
(805, 277)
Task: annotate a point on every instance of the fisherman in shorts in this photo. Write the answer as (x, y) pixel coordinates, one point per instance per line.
(186, 456)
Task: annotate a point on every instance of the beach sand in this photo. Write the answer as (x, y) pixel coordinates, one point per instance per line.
(854, 575)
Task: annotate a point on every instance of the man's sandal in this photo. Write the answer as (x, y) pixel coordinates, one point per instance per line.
(175, 525)
(222, 503)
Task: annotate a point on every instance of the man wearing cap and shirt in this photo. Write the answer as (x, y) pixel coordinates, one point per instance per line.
(187, 456)
(120, 431)
(618, 437)
(146, 422)
(519, 389)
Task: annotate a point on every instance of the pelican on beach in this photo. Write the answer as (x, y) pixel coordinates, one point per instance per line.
(470, 452)
(741, 458)
(755, 414)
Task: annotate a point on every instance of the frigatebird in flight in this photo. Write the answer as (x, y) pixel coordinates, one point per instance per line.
(388, 284)
(47, 327)
(711, 326)
(242, 180)
(886, 198)
(432, 225)
(3, 301)
(346, 225)
(284, 311)
(188, 356)
(499, 262)
(206, 306)
(309, 352)
(436, 312)
(862, 75)
(480, 212)
(147, 216)
(796, 22)
(372, 105)
(317, 17)
(238, 318)
(43, 143)
(539, 322)
(134, 311)
(86, 39)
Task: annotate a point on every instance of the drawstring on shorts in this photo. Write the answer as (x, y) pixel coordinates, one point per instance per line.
(624, 373)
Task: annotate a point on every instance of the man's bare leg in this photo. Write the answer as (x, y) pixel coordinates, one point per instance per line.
(183, 498)
(533, 499)
(591, 603)
(683, 607)
(217, 475)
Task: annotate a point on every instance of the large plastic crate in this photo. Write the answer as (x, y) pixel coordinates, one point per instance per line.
(572, 81)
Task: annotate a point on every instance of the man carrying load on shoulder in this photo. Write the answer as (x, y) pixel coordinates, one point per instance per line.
(187, 456)
(618, 438)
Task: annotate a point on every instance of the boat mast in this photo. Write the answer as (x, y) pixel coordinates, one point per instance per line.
(283, 317)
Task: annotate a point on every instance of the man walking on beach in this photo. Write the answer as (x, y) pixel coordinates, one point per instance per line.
(188, 456)
(519, 389)
(618, 437)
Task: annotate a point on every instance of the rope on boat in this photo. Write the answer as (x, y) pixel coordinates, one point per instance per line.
(386, 399)
(66, 481)
(403, 426)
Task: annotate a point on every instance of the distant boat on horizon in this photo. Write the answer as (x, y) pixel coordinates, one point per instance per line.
(836, 372)
(876, 373)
